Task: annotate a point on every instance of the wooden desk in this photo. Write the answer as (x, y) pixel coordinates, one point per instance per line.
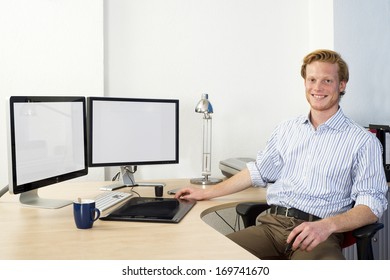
(33, 233)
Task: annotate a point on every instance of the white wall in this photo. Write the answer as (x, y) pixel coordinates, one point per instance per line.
(49, 47)
(320, 24)
(245, 54)
(362, 34)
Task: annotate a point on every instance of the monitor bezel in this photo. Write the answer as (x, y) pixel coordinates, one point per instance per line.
(90, 101)
(14, 186)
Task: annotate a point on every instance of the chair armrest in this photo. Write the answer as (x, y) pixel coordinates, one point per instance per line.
(364, 237)
(249, 211)
(367, 231)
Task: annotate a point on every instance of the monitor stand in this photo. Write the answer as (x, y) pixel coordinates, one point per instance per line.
(31, 198)
(128, 180)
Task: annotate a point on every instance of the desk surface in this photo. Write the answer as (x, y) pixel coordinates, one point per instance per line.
(33, 233)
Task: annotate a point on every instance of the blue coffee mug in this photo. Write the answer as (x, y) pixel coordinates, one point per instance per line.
(85, 213)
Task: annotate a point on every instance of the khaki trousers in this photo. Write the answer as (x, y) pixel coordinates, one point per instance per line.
(268, 240)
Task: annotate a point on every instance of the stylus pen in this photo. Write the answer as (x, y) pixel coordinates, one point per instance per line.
(289, 246)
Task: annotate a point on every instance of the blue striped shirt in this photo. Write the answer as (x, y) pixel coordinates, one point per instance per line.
(322, 171)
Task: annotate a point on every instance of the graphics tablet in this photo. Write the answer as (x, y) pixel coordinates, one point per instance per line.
(151, 209)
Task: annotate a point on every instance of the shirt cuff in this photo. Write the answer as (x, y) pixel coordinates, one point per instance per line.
(256, 178)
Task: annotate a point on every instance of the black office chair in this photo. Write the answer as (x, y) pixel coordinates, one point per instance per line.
(249, 211)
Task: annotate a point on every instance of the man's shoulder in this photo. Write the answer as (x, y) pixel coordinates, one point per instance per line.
(356, 128)
(361, 134)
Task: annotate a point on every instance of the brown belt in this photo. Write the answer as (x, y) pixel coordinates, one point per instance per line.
(294, 213)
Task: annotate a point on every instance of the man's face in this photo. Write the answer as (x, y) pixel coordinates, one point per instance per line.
(323, 86)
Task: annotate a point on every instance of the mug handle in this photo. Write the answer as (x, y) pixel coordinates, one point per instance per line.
(97, 215)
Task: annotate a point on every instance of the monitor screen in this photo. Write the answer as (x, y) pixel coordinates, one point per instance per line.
(47, 144)
(130, 131)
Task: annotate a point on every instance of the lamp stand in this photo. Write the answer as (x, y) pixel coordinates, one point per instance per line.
(206, 163)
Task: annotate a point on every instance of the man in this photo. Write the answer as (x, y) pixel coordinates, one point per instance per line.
(325, 167)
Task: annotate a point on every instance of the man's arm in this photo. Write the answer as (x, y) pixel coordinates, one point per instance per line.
(310, 234)
(238, 182)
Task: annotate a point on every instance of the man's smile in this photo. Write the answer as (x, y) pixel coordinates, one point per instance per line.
(318, 96)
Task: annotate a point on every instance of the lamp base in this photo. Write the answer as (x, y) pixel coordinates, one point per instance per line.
(205, 181)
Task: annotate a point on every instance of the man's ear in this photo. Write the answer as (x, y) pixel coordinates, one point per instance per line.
(342, 86)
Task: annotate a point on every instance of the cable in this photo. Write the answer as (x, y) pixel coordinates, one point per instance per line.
(133, 191)
(4, 190)
(126, 172)
(116, 177)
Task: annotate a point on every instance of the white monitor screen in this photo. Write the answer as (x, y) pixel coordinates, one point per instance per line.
(47, 141)
(129, 131)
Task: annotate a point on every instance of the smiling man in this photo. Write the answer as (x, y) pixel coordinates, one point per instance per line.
(327, 171)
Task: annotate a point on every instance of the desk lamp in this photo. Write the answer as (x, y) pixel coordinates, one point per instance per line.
(204, 106)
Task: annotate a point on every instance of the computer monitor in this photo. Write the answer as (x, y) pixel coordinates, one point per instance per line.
(127, 132)
(47, 144)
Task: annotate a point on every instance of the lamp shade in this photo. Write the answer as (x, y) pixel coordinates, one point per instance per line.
(204, 105)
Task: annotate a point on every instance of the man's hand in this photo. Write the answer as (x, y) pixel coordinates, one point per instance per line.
(190, 193)
(309, 234)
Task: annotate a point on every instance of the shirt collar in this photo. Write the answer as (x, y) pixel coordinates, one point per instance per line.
(336, 122)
